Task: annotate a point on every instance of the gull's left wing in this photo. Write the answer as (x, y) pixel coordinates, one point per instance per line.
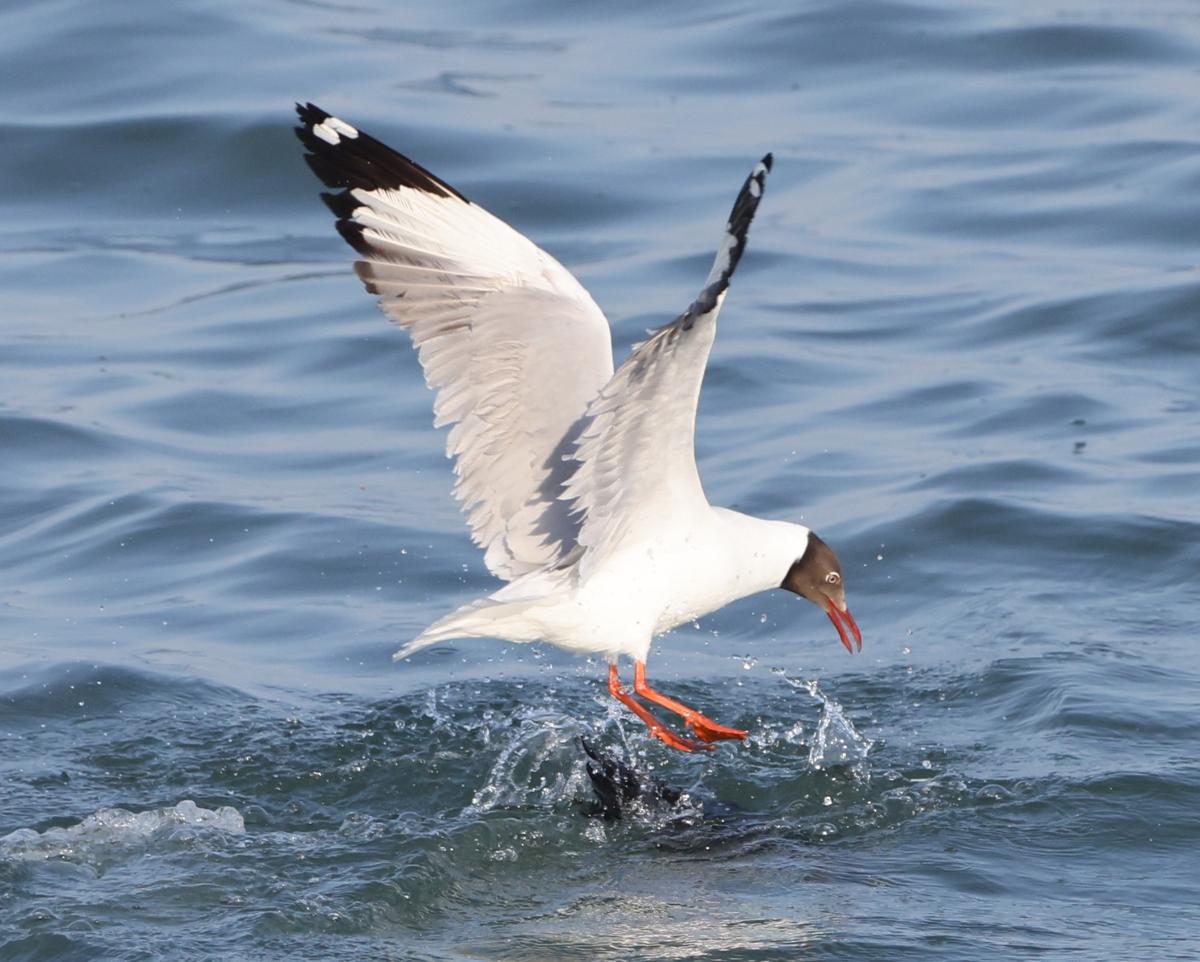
(636, 452)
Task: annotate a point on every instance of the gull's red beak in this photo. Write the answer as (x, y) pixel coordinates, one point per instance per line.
(841, 621)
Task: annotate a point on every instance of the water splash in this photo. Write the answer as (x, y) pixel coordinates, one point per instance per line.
(837, 743)
(538, 765)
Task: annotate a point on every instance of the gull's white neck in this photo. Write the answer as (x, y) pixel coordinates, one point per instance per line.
(760, 551)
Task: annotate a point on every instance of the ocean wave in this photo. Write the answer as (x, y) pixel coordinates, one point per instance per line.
(109, 829)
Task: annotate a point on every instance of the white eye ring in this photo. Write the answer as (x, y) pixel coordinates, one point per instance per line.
(832, 578)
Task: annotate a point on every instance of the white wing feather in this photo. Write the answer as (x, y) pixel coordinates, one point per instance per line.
(512, 343)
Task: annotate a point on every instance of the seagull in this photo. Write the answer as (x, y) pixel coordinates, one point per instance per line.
(578, 482)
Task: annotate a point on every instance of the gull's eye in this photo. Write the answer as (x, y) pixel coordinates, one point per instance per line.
(832, 578)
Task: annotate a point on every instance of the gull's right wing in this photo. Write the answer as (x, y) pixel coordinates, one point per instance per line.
(514, 346)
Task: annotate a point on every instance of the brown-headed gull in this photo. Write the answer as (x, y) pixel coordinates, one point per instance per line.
(578, 482)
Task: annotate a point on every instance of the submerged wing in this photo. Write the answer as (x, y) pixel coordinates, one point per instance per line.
(636, 452)
(512, 343)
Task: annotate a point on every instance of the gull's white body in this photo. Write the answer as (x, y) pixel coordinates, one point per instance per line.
(693, 563)
(579, 482)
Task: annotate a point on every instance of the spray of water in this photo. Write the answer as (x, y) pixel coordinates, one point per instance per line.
(538, 764)
(837, 742)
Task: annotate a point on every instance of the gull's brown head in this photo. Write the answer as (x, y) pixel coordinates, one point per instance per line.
(817, 576)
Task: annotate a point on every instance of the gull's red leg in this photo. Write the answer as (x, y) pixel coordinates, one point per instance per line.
(703, 727)
(656, 727)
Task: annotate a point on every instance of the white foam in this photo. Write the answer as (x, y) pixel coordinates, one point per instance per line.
(111, 826)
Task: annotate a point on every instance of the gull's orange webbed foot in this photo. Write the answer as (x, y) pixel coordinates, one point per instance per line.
(678, 742)
(657, 729)
(710, 731)
(702, 726)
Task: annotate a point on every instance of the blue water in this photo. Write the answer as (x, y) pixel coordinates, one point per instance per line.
(963, 346)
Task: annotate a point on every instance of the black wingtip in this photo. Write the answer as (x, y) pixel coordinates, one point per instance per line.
(747, 202)
(344, 157)
(734, 242)
(310, 114)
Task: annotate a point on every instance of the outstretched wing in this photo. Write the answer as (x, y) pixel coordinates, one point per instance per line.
(512, 343)
(636, 451)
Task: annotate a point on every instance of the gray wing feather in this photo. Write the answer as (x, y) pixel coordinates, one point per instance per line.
(636, 445)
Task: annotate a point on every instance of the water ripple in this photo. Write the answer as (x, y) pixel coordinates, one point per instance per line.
(961, 347)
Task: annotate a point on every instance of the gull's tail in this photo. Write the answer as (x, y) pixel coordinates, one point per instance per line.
(483, 618)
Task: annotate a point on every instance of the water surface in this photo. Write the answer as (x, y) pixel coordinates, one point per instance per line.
(962, 346)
